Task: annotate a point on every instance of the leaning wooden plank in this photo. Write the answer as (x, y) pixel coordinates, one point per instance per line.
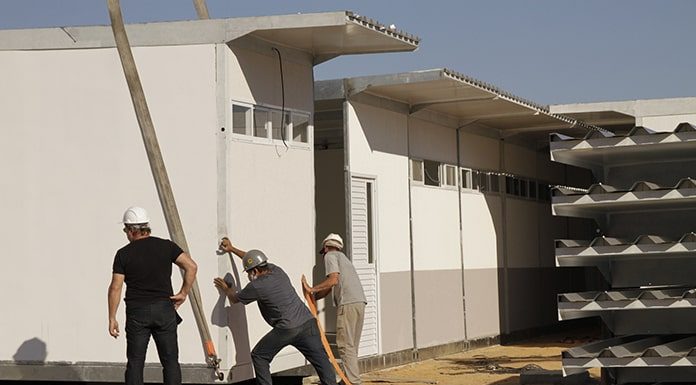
(312, 304)
(159, 172)
(201, 9)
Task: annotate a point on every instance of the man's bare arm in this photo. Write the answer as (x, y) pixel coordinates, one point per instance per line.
(188, 265)
(227, 246)
(324, 287)
(114, 297)
(230, 292)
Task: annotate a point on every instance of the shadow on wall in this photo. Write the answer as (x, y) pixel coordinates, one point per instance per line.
(31, 351)
(234, 317)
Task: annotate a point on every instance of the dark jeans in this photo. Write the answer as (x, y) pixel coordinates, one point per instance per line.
(158, 319)
(304, 338)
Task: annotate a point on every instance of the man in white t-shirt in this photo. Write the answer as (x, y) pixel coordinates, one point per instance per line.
(349, 299)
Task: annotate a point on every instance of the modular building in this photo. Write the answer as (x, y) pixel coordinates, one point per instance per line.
(71, 160)
(440, 183)
(643, 207)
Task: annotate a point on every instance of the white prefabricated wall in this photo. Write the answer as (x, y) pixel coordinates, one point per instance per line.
(72, 160)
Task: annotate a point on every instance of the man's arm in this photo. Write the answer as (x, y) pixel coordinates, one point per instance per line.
(186, 263)
(324, 287)
(227, 246)
(230, 292)
(114, 296)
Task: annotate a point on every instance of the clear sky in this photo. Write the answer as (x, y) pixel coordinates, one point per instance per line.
(549, 51)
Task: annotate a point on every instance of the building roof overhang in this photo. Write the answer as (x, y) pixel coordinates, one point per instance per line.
(467, 100)
(323, 35)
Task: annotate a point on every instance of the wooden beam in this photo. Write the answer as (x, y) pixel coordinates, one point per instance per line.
(159, 172)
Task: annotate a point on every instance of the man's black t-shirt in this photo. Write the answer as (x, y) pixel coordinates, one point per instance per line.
(147, 265)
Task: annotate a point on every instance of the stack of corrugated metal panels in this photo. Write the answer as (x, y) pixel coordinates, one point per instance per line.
(645, 209)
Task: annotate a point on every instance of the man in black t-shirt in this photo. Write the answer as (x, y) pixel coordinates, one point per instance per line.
(145, 265)
(283, 309)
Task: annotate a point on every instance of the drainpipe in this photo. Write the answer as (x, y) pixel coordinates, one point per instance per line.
(461, 220)
(410, 239)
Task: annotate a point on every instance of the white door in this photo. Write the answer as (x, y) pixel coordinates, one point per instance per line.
(363, 257)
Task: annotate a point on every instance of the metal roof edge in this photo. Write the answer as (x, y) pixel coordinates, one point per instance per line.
(183, 32)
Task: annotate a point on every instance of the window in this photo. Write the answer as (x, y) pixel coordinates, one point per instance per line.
(449, 175)
(260, 123)
(280, 127)
(300, 128)
(523, 188)
(466, 178)
(432, 172)
(494, 182)
(483, 181)
(417, 170)
(509, 182)
(241, 119)
(533, 189)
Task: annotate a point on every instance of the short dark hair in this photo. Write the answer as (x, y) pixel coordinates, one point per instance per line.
(139, 227)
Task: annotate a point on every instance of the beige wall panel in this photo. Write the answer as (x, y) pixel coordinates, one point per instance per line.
(479, 152)
(254, 77)
(520, 161)
(480, 231)
(438, 299)
(482, 311)
(77, 161)
(522, 233)
(432, 141)
(435, 229)
(395, 301)
(378, 148)
(271, 208)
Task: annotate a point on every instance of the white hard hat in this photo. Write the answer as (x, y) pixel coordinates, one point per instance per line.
(135, 216)
(333, 240)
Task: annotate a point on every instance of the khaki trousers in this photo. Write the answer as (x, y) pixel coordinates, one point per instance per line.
(349, 323)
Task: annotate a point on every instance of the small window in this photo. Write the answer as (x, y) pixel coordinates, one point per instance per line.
(475, 179)
(466, 178)
(432, 172)
(533, 189)
(483, 181)
(241, 119)
(523, 188)
(449, 175)
(509, 182)
(417, 170)
(261, 123)
(494, 184)
(280, 127)
(300, 128)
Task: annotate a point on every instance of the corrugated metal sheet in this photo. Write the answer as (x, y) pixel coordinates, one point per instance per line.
(587, 304)
(633, 351)
(601, 199)
(639, 145)
(570, 252)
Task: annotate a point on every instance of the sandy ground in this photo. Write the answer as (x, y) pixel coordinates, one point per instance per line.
(494, 365)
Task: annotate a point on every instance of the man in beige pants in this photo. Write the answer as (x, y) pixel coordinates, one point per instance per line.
(349, 299)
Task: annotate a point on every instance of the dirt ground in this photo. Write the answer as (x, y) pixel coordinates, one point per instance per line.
(494, 365)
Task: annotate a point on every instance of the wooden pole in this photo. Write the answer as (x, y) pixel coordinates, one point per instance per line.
(201, 9)
(159, 172)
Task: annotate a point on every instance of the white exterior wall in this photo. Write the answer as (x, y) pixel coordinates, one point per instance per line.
(382, 154)
(377, 148)
(270, 188)
(72, 160)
